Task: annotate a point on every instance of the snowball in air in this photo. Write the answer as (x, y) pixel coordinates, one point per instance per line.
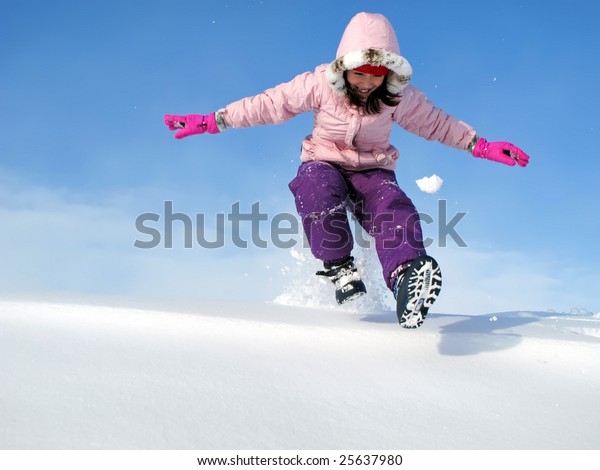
(430, 184)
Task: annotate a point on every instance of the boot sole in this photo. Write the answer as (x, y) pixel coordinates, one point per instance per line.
(420, 288)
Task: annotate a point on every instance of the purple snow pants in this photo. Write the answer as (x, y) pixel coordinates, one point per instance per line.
(324, 193)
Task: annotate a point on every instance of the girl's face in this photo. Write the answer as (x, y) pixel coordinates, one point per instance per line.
(363, 84)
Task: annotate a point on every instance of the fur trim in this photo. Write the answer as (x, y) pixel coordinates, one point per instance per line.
(398, 78)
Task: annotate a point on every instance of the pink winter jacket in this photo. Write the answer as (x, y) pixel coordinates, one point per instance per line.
(344, 134)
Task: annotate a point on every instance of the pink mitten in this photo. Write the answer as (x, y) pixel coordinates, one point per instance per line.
(502, 152)
(191, 124)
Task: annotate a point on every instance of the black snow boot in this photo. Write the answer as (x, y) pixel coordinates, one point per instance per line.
(343, 274)
(416, 289)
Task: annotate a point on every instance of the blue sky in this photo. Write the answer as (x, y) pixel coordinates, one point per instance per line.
(84, 152)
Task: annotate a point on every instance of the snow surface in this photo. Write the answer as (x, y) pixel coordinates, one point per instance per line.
(229, 375)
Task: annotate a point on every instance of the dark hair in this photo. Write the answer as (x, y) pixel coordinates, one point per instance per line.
(372, 105)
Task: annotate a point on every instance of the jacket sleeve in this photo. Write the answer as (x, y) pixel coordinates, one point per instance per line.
(418, 115)
(275, 105)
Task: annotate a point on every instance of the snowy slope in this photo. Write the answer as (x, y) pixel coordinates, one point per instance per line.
(225, 375)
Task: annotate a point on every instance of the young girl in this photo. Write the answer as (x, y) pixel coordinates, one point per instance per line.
(348, 162)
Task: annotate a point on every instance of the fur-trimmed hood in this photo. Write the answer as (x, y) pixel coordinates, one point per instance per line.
(369, 38)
